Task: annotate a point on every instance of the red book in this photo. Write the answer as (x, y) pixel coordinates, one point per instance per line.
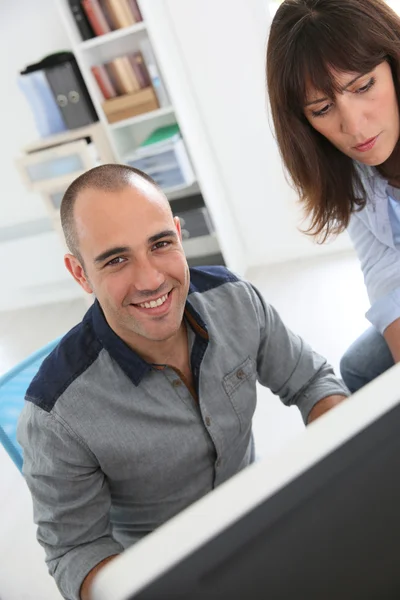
(135, 10)
(96, 16)
(104, 82)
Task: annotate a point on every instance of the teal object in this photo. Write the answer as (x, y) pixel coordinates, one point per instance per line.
(13, 386)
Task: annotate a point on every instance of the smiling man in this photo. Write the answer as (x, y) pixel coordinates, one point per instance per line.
(147, 405)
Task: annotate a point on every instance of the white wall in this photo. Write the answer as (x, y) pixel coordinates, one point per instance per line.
(29, 31)
(31, 269)
(222, 45)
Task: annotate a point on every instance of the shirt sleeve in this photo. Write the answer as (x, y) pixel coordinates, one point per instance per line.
(71, 499)
(380, 265)
(288, 366)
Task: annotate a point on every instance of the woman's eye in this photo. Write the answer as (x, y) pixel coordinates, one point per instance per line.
(366, 87)
(322, 112)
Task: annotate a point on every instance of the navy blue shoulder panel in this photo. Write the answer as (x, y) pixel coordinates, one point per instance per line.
(77, 350)
(203, 279)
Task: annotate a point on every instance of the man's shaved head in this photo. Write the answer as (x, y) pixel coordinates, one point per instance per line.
(106, 178)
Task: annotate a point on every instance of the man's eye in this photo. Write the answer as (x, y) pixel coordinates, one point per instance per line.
(115, 261)
(160, 245)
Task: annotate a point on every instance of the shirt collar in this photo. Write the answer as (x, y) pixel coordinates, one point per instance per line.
(133, 365)
(130, 362)
(374, 183)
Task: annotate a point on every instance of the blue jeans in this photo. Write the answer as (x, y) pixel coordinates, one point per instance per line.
(368, 357)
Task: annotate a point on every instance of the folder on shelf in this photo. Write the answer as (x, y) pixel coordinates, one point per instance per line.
(159, 138)
(46, 112)
(81, 20)
(166, 160)
(69, 89)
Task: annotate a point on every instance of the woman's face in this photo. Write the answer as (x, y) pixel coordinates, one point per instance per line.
(362, 121)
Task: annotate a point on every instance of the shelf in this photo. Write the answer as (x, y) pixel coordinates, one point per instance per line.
(154, 114)
(182, 191)
(177, 189)
(204, 245)
(107, 38)
(64, 137)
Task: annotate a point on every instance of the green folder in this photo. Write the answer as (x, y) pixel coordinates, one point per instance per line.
(161, 136)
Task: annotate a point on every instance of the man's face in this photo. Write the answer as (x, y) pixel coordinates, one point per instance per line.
(134, 261)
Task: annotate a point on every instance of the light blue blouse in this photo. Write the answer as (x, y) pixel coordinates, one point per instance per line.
(375, 233)
(394, 215)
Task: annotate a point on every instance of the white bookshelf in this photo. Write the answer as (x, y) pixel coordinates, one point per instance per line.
(110, 38)
(154, 114)
(102, 49)
(126, 135)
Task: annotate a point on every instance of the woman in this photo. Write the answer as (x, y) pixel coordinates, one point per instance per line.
(333, 74)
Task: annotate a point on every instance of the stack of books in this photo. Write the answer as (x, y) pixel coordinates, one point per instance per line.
(123, 75)
(131, 84)
(97, 17)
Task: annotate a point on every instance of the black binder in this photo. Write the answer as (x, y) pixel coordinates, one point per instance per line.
(69, 89)
(83, 25)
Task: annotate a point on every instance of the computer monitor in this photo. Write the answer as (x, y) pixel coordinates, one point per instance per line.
(321, 521)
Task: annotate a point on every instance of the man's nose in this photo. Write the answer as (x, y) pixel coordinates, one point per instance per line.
(147, 277)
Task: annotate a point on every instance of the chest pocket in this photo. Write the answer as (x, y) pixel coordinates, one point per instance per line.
(240, 386)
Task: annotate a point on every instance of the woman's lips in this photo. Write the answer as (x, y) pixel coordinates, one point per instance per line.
(367, 145)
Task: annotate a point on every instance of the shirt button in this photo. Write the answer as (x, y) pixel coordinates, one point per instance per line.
(176, 382)
(208, 421)
(240, 374)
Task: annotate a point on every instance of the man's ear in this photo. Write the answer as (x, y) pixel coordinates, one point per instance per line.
(178, 227)
(77, 271)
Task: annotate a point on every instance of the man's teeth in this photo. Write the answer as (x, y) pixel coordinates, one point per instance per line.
(154, 303)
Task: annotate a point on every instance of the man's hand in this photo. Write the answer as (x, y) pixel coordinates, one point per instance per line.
(323, 406)
(392, 337)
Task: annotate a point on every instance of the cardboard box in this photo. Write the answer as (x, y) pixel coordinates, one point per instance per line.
(130, 105)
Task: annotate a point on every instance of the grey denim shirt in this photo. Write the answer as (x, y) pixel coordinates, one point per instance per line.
(113, 447)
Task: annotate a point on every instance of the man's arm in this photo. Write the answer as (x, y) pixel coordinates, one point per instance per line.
(392, 337)
(71, 499)
(323, 406)
(289, 367)
(87, 583)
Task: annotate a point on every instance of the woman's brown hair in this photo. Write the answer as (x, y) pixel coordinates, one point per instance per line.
(308, 40)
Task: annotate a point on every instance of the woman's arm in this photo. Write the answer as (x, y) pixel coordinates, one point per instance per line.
(380, 265)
